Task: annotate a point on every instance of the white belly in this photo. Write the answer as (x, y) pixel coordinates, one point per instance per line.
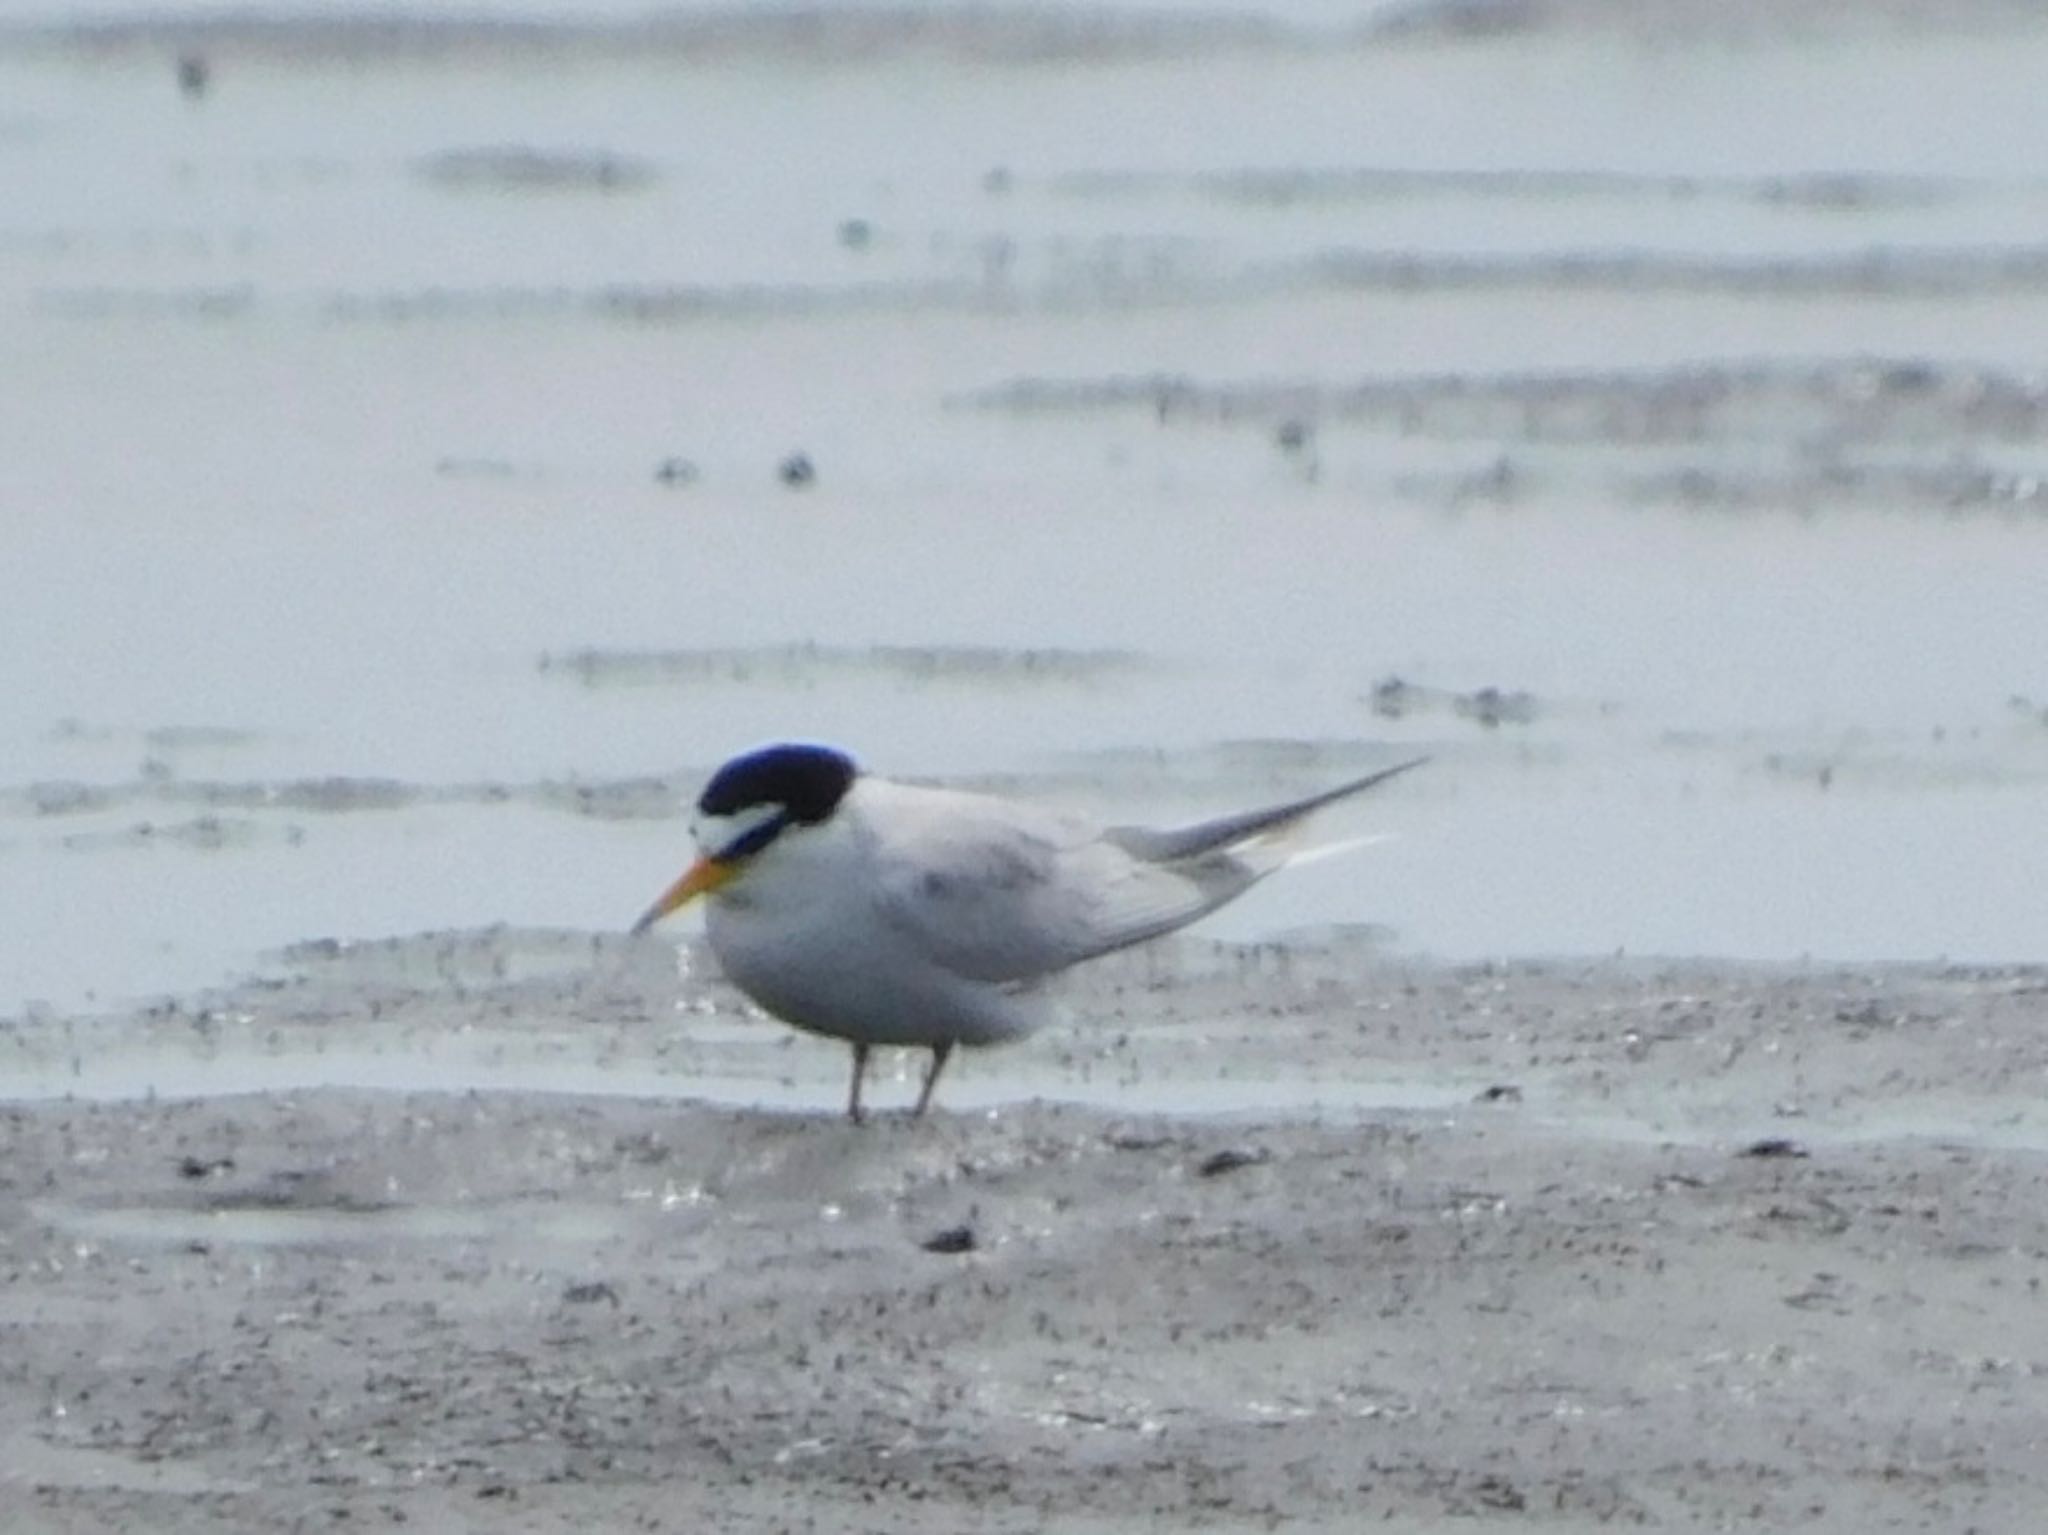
(850, 976)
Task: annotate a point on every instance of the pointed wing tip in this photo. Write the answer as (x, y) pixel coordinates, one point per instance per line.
(1374, 780)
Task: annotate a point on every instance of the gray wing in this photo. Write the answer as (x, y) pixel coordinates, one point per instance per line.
(1001, 892)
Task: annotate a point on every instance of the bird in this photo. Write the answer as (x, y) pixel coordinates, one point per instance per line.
(881, 912)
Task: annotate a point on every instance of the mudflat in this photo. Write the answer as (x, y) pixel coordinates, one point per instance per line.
(491, 1230)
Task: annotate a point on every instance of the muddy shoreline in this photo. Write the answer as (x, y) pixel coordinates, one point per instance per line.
(1565, 1243)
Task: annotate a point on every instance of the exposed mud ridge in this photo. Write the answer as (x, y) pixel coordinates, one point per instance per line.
(201, 833)
(662, 304)
(1961, 485)
(1894, 401)
(800, 665)
(1020, 34)
(1395, 697)
(1875, 273)
(1113, 275)
(630, 303)
(1288, 186)
(60, 800)
(525, 168)
(1669, 21)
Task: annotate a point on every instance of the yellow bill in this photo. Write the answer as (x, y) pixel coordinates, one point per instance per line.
(701, 878)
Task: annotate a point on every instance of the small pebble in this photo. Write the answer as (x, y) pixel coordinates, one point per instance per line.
(1228, 1161)
(1774, 1146)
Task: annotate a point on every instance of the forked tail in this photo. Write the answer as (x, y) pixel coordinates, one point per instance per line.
(1234, 833)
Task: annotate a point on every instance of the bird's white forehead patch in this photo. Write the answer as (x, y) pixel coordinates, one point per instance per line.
(715, 833)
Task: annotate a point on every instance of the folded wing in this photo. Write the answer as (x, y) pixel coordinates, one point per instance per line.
(1000, 893)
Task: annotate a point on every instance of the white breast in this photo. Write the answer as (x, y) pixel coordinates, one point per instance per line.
(801, 934)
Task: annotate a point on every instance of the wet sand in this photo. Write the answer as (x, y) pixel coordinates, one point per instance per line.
(1312, 1236)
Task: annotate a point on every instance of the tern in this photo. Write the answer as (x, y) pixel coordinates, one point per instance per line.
(887, 913)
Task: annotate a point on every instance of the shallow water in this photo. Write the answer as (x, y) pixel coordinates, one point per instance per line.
(375, 1228)
(1157, 427)
(174, 1073)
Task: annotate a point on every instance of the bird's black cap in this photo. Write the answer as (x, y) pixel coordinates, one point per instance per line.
(806, 781)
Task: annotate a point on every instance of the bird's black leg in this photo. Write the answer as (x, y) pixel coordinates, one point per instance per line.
(860, 1069)
(931, 1078)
